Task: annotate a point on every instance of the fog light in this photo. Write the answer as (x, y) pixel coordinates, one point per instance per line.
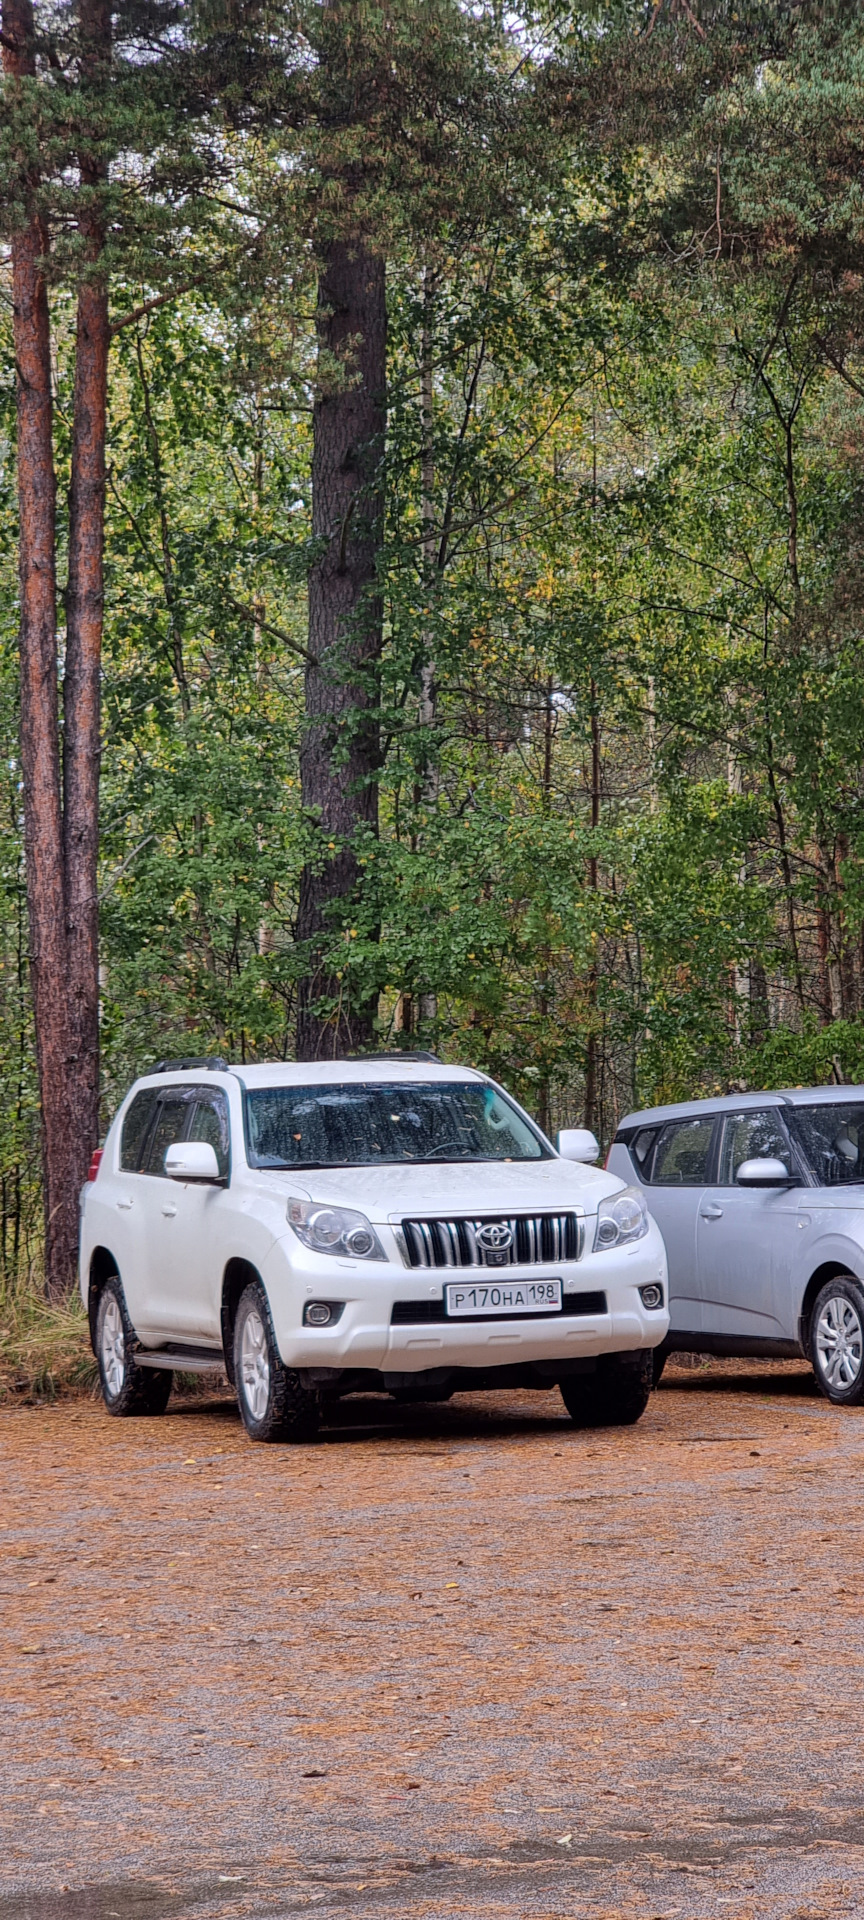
(652, 1295)
(319, 1313)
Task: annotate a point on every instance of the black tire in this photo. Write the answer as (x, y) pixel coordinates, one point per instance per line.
(273, 1403)
(837, 1341)
(127, 1389)
(615, 1396)
(658, 1363)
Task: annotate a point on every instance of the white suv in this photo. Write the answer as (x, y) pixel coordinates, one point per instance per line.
(386, 1224)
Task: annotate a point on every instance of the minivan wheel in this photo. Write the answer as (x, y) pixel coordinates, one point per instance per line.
(273, 1404)
(837, 1341)
(127, 1389)
(614, 1396)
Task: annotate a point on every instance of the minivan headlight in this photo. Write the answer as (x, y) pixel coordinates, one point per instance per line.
(334, 1230)
(623, 1217)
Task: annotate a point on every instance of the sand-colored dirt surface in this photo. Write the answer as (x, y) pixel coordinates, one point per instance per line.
(457, 1660)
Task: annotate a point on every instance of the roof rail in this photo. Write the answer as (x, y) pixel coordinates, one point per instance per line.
(407, 1053)
(193, 1063)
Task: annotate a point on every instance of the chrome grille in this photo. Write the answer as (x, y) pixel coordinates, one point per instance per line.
(516, 1240)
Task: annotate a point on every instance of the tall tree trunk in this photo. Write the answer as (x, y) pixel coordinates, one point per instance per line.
(592, 1103)
(339, 758)
(84, 614)
(847, 971)
(544, 952)
(43, 825)
(759, 1005)
(428, 705)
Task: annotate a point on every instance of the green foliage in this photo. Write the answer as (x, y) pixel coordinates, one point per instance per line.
(622, 779)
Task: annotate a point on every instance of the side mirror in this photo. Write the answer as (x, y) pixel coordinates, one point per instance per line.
(194, 1161)
(578, 1143)
(762, 1173)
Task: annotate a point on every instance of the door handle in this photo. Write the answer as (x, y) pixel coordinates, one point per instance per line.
(124, 1204)
(169, 1212)
(711, 1213)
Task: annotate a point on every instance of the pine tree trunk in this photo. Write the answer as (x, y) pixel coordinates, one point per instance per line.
(591, 1113)
(43, 827)
(339, 758)
(84, 612)
(428, 703)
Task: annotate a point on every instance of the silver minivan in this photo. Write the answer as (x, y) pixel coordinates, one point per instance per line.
(760, 1200)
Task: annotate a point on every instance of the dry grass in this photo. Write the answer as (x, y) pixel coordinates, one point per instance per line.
(44, 1349)
(45, 1353)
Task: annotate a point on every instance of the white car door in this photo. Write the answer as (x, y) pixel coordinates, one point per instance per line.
(679, 1170)
(170, 1291)
(746, 1235)
(120, 1200)
(194, 1233)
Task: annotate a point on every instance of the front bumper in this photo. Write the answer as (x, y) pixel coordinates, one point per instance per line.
(365, 1338)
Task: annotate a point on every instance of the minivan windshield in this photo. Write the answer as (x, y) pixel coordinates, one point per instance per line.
(833, 1140)
(366, 1123)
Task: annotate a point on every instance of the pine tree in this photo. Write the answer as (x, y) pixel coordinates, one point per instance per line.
(75, 95)
(406, 126)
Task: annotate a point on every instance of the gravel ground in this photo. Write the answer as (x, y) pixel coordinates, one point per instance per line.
(449, 1660)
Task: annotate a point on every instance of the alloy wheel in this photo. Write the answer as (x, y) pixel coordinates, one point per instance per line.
(113, 1348)
(255, 1365)
(839, 1342)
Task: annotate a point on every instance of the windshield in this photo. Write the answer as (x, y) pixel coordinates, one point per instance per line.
(833, 1139)
(368, 1124)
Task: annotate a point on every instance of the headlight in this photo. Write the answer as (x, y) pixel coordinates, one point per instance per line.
(624, 1217)
(334, 1230)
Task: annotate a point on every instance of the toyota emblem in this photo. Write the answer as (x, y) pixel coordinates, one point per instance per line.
(495, 1237)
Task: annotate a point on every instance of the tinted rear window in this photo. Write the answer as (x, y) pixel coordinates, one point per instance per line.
(683, 1153)
(135, 1128)
(640, 1145)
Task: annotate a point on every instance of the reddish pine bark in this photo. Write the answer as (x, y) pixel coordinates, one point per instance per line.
(61, 840)
(339, 758)
(84, 612)
(43, 825)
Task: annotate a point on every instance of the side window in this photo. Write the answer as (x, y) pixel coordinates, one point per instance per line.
(751, 1136)
(683, 1153)
(169, 1126)
(135, 1127)
(640, 1147)
(210, 1123)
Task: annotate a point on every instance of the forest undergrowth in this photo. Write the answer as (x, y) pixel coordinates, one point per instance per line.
(45, 1351)
(44, 1346)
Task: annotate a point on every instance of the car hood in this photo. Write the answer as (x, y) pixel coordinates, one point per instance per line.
(476, 1186)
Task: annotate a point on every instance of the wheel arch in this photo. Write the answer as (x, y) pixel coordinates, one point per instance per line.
(102, 1266)
(237, 1277)
(829, 1270)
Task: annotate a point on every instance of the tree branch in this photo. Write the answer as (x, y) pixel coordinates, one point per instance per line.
(159, 300)
(254, 618)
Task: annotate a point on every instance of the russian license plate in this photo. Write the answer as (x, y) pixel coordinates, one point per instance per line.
(462, 1299)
